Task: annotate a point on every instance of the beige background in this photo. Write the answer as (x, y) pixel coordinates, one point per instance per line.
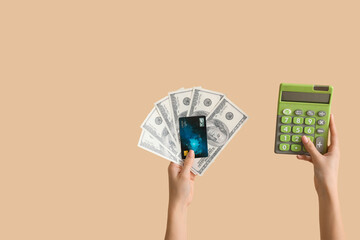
(78, 78)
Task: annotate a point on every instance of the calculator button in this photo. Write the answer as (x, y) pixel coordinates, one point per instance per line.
(286, 119)
(284, 147)
(298, 120)
(321, 122)
(319, 144)
(285, 128)
(309, 121)
(309, 130)
(321, 114)
(311, 138)
(295, 147)
(320, 130)
(298, 112)
(285, 138)
(287, 111)
(310, 113)
(297, 129)
(296, 138)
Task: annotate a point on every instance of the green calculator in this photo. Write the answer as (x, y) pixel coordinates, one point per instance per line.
(302, 110)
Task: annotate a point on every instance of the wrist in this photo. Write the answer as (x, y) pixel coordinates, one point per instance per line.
(177, 207)
(326, 185)
(327, 191)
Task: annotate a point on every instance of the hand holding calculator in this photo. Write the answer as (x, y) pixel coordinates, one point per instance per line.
(302, 110)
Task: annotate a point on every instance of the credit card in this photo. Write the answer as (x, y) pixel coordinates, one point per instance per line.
(193, 136)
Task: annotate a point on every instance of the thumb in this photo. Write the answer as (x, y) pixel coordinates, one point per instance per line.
(309, 146)
(188, 162)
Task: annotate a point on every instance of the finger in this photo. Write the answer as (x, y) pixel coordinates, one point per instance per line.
(304, 157)
(333, 132)
(173, 169)
(309, 146)
(189, 160)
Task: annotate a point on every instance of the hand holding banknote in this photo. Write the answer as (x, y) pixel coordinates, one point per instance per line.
(181, 182)
(181, 191)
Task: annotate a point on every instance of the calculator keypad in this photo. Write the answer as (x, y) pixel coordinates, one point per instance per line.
(292, 125)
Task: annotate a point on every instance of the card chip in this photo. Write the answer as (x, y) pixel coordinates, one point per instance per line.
(185, 152)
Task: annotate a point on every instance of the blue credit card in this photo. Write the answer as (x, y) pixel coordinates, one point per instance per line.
(193, 136)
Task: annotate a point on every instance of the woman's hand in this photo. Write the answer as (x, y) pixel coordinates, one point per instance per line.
(181, 182)
(326, 177)
(181, 191)
(325, 166)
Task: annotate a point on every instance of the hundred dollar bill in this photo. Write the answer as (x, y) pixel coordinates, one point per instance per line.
(156, 126)
(222, 124)
(179, 104)
(164, 109)
(203, 101)
(149, 143)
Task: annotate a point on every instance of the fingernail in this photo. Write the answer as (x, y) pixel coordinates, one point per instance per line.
(191, 153)
(305, 139)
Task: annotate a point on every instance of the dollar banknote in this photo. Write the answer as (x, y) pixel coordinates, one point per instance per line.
(203, 101)
(149, 143)
(223, 123)
(164, 109)
(179, 105)
(160, 134)
(156, 126)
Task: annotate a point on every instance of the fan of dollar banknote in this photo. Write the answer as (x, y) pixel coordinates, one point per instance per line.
(160, 130)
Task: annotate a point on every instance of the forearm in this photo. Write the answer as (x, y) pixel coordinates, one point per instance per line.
(331, 227)
(176, 222)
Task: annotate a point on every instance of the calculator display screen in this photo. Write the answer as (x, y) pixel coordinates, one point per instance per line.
(305, 97)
